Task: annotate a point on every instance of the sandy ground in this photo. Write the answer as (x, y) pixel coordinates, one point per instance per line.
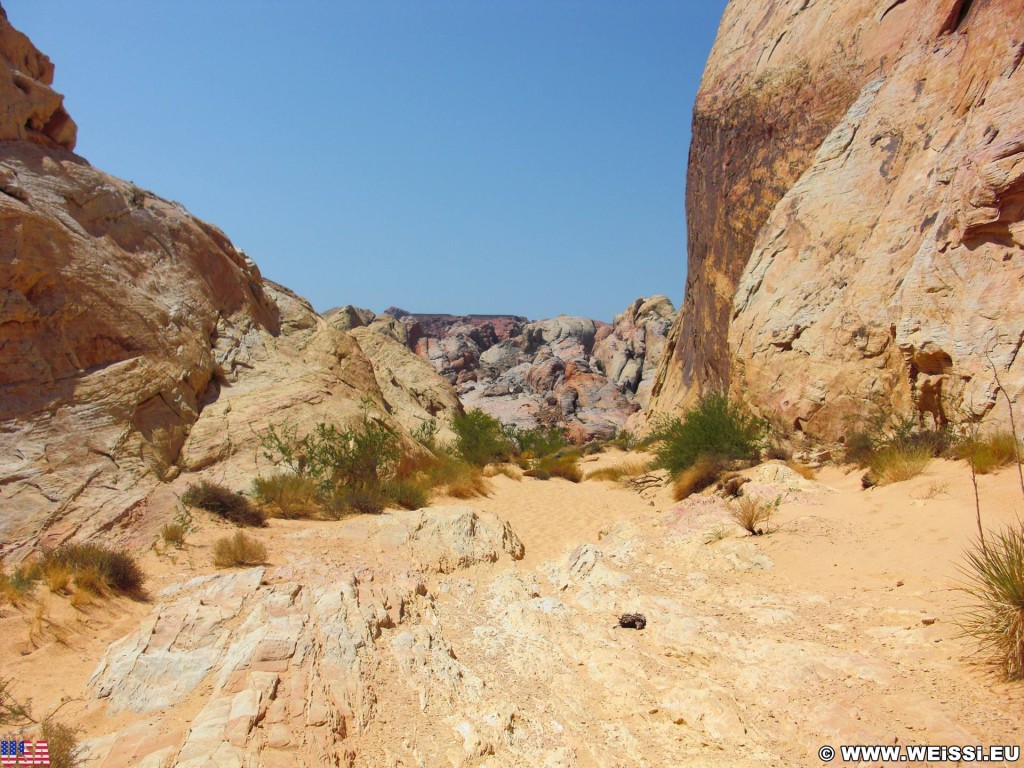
(872, 571)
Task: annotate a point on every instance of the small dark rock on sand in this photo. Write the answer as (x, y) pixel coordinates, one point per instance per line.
(632, 621)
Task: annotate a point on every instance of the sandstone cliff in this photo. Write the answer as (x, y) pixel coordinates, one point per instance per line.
(854, 212)
(135, 341)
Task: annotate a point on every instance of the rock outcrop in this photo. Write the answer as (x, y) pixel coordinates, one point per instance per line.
(586, 376)
(854, 213)
(136, 342)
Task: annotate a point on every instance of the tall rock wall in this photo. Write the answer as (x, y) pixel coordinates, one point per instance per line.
(854, 209)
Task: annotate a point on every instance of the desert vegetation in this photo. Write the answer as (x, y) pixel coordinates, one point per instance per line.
(224, 503)
(61, 739)
(238, 550)
(714, 435)
(81, 570)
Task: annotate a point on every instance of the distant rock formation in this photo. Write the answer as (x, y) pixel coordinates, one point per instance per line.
(572, 372)
(136, 342)
(855, 214)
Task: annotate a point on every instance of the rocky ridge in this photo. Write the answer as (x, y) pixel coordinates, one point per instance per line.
(589, 377)
(136, 342)
(853, 212)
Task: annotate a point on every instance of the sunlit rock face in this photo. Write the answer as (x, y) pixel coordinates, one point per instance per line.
(136, 342)
(855, 206)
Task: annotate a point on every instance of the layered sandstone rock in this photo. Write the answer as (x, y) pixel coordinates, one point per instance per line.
(852, 208)
(136, 341)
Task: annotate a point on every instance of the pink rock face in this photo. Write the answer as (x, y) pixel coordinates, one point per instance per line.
(855, 239)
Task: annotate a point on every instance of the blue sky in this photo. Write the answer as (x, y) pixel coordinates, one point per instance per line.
(484, 156)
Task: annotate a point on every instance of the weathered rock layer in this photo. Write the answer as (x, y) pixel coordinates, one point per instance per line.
(854, 213)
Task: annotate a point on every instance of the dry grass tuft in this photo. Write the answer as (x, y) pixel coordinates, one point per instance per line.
(754, 515)
(457, 478)
(896, 464)
(95, 568)
(620, 473)
(173, 535)
(995, 581)
(238, 550)
(990, 453)
(717, 533)
(566, 467)
(287, 495)
(17, 587)
(704, 473)
(510, 471)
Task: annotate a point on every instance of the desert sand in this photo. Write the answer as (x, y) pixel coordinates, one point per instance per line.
(839, 627)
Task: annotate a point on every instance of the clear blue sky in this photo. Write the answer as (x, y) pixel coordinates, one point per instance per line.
(467, 156)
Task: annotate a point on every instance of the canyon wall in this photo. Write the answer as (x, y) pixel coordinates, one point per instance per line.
(854, 208)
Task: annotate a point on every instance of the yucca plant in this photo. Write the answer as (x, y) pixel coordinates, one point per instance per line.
(994, 579)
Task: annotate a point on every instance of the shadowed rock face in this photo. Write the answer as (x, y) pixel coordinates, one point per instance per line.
(854, 212)
(136, 342)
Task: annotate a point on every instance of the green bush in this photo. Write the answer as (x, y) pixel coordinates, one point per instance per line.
(714, 427)
(536, 442)
(480, 439)
(426, 434)
(362, 456)
(223, 502)
(406, 492)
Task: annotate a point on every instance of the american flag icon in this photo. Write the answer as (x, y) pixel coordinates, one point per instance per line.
(19, 753)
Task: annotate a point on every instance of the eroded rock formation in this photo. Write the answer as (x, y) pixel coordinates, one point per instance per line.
(854, 212)
(586, 376)
(136, 341)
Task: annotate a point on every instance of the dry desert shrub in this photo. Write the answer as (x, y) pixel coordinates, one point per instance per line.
(223, 502)
(754, 515)
(896, 464)
(238, 550)
(703, 473)
(62, 742)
